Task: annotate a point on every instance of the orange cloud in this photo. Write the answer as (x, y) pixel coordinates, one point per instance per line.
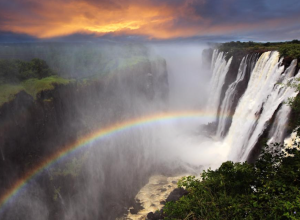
(54, 19)
(154, 19)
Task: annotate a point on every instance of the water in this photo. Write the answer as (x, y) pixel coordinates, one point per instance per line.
(258, 104)
(278, 130)
(229, 98)
(233, 94)
(219, 68)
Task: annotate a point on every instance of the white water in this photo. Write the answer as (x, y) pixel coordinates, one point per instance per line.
(258, 104)
(278, 128)
(219, 70)
(229, 97)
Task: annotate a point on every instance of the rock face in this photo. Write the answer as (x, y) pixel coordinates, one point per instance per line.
(175, 195)
(31, 129)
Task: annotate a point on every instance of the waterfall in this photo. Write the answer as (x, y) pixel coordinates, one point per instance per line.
(233, 93)
(258, 104)
(229, 97)
(219, 68)
(278, 130)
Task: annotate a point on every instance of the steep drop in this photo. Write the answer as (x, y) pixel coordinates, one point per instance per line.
(258, 104)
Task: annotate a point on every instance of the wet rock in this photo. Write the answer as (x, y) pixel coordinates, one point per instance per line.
(162, 202)
(155, 216)
(150, 215)
(176, 194)
(137, 206)
(133, 211)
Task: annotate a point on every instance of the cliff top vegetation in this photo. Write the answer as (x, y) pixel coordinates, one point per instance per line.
(36, 75)
(32, 77)
(76, 60)
(289, 49)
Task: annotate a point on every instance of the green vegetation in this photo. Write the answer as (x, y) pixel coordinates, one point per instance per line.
(14, 71)
(34, 86)
(78, 60)
(268, 189)
(8, 92)
(83, 64)
(32, 77)
(30, 86)
(289, 49)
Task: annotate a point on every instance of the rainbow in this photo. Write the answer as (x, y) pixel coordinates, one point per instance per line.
(84, 141)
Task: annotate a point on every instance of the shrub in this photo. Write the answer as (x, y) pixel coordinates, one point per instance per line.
(268, 189)
(13, 71)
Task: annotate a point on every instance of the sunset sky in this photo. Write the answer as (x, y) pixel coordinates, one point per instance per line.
(208, 20)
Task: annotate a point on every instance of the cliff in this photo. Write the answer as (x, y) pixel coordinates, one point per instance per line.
(34, 127)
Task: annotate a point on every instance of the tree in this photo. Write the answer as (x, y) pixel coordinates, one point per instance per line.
(13, 71)
(268, 189)
(40, 68)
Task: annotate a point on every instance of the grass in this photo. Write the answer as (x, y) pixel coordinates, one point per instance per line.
(34, 86)
(8, 92)
(30, 86)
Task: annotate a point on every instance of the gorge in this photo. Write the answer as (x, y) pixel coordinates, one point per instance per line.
(84, 149)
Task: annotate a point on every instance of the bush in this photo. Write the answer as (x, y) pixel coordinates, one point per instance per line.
(268, 189)
(13, 71)
(8, 71)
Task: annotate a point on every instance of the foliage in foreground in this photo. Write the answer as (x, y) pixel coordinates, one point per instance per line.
(268, 189)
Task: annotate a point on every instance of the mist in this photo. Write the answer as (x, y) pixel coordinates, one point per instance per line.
(188, 75)
(101, 180)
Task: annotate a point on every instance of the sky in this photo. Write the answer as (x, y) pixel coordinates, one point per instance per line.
(150, 20)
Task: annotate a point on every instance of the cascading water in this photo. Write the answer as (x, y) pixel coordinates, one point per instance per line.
(219, 68)
(228, 100)
(266, 91)
(278, 129)
(258, 104)
(277, 133)
(233, 93)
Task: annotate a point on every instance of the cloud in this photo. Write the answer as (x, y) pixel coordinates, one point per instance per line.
(10, 37)
(151, 19)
